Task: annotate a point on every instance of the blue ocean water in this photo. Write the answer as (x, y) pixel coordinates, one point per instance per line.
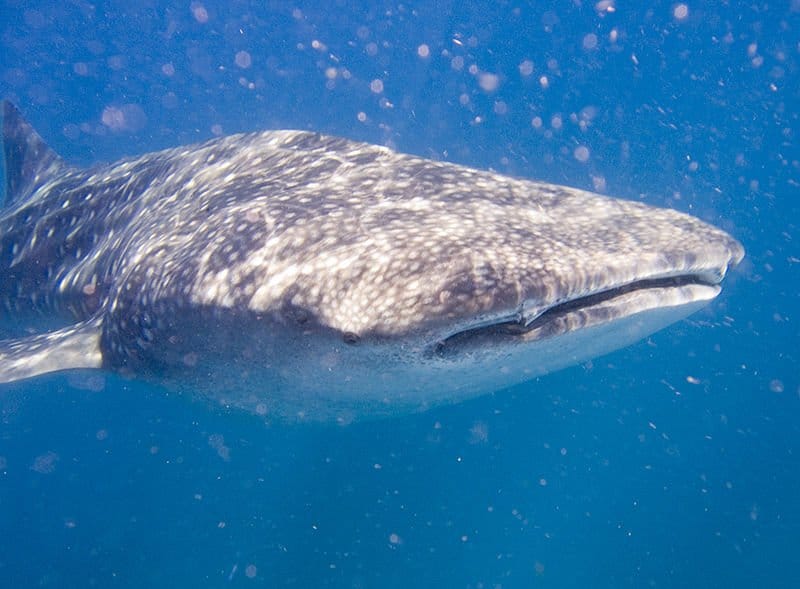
(672, 463)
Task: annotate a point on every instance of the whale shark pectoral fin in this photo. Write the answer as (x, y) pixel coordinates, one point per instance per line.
(75, 346)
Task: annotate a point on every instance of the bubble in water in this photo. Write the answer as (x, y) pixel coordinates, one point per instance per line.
(488, 82)
(199, 12)
(581, 154)
(526, 68)
(376, 86)
(680, 11)
(243, 60)
(45, 463)
(124, 118)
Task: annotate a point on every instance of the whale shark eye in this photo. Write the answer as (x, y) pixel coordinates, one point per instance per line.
(350, 338)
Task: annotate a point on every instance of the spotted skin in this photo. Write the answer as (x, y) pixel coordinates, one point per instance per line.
(296, 274)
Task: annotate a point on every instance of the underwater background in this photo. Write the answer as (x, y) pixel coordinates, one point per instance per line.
(672, 463)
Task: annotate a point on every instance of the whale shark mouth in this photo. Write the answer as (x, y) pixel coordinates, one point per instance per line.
(603, 306)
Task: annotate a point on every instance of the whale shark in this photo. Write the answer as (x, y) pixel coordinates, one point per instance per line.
(300, 276)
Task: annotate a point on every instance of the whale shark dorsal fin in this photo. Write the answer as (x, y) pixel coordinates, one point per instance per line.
(75, 346)
(29, 161)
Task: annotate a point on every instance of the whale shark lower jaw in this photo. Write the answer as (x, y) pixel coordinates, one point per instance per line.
(306, 277)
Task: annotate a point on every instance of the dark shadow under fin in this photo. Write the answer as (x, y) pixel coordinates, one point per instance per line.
(76, 346)
(29, 161)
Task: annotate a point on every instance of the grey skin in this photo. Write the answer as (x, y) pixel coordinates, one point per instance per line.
(307, 277)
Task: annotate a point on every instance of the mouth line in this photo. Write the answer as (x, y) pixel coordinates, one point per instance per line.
(520, 325)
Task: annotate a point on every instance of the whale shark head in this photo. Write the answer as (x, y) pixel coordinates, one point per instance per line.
(310, 277)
